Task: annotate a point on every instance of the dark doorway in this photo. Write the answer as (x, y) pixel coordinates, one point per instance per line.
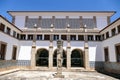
(14, 53)
(42, 58)
(117, 53)
(77, 58)
(3, 51)
(55, 59)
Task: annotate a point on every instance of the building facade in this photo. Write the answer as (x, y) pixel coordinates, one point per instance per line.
(90, 40)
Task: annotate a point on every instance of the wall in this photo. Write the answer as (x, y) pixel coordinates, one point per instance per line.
(10, 42)
(112, 65)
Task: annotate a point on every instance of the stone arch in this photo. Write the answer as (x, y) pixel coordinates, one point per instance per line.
(42, 56)
(55, 58)
(77, 58)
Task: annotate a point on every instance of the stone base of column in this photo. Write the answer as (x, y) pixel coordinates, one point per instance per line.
(50, 57)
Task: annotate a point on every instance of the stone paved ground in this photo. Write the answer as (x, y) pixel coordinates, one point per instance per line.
(41, 75)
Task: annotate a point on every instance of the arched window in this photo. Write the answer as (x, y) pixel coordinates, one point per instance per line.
(77, 58)
(42, 57)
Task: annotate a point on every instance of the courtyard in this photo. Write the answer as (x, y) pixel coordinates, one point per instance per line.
(47, 75)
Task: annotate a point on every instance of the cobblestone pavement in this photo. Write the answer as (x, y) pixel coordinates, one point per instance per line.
(41, 75)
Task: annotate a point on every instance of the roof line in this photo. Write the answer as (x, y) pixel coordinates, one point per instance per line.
(110, 24)
(65, 11)
(10, 23)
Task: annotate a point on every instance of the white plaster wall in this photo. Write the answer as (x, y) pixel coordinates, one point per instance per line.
(95, 51)
(110, 43)
(101, 22)
(10, 42)
(25, 50)
(20, 21)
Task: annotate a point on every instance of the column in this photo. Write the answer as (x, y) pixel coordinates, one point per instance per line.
(51, 52)
(94, 39)
(68, 58)
(68, 52)
(33, 61)
(86, 55)
(68, 40)
(42, 36)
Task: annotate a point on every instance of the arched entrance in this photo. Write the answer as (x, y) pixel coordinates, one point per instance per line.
(42, 57)
(77, 58)
(55, 58)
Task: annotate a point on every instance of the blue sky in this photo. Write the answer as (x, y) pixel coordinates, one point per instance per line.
(59, 5)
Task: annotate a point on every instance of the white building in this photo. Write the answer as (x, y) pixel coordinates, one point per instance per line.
(90, 40)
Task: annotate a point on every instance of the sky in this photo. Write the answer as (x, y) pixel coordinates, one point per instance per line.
(59, 5)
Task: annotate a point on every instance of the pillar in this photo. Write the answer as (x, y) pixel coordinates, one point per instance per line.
(50, 57)
(86, 55)
(33, 61)
(68, 58)
(51, 52)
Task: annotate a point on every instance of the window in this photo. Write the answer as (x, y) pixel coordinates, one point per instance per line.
(46, 37)
(63, 37)
(2, 51)
(72, 37)
(107, 35)
(80, 37)
(106, 54)
(8, 30)
(117, 53)
(2, 27)
(18, 35)
(56, 37)
(90, 37)
(39, 37)
(98, 37)
(14, 52)
(113, 31)
(22, 36)
(103, 37)
(118, 27)
(14, 34)
(30, 37)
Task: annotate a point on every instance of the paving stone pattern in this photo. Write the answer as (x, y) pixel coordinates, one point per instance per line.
(41, 75)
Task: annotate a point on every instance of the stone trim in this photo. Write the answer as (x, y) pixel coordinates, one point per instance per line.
(95, 21)
(81, 21)
(26, 19)
(108, 20)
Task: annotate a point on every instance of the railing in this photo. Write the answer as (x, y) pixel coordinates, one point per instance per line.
(13, 63)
